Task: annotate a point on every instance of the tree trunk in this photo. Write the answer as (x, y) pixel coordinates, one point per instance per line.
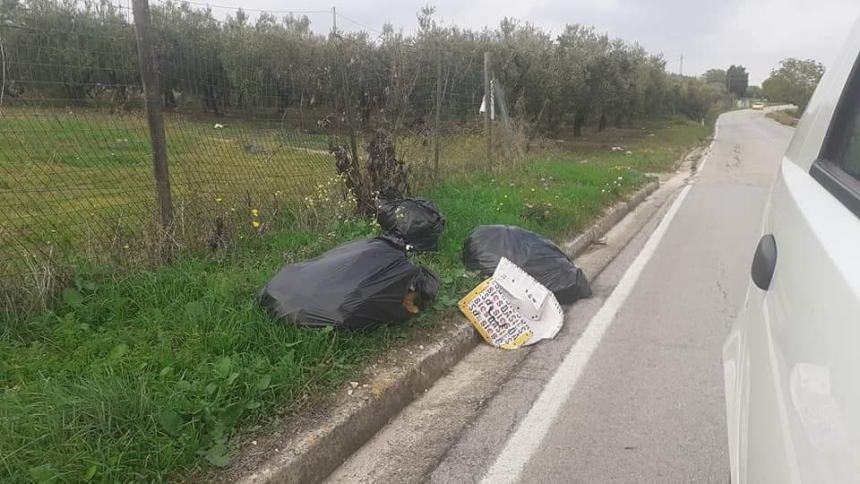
(601, 124)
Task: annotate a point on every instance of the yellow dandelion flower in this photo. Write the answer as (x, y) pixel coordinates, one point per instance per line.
(219, 199)
(255, 212)
(255, 224)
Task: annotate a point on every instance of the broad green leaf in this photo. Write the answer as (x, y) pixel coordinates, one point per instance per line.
(263, 382)
(72, 297)
(232, 413)
(222, 367)
(170, 421)
(91, 472)
(86, 285)
(218, 456)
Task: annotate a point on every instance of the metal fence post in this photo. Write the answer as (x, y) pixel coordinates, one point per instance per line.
(488, 125)
(436, 147)
(152, 92)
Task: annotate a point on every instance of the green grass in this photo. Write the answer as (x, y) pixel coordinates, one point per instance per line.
(146, 376)
(73, 177)
(655, 146)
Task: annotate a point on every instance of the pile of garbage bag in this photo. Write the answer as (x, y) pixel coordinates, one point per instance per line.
(415, 221)
(370, 281)
(537, 256)
(352, 286)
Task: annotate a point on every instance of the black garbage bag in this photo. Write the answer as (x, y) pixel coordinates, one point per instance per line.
(415, 221)
(352, 286)
(539, 257)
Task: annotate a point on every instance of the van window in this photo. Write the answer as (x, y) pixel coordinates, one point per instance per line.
(842, 148)
(850, 161)
(838, 165)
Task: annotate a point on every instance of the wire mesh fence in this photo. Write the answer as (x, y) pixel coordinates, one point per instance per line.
(254, 106)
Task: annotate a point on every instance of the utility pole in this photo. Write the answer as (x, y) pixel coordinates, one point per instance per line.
(682, 65)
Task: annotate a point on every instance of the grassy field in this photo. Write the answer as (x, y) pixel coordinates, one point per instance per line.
(74, 181)
(146, 376)
(76, 185)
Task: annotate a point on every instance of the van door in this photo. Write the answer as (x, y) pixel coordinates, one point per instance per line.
(795, 354)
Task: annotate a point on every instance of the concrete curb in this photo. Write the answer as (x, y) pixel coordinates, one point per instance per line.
(320, 444)
(610, 217)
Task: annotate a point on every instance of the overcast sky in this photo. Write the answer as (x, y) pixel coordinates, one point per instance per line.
(709, 33)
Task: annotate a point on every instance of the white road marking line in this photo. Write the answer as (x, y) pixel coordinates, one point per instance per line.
(532, 429)
(701, 168)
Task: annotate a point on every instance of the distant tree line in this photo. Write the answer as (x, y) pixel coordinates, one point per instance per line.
(734, 80)
(74, 51)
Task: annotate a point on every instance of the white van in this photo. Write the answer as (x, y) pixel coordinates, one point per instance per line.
(792, 359)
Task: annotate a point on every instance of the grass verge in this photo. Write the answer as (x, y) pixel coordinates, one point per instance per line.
(147, 376)
(788, 117)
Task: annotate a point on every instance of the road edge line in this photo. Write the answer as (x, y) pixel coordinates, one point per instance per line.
(527, 438)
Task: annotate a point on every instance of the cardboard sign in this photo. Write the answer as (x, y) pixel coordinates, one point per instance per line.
(527, 294)
(512, 309)
(532, 299)
(488, 309)
(549, 323)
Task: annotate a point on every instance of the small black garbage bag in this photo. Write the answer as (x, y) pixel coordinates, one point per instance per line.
(352, 286)
(415, 221)
(539, 257)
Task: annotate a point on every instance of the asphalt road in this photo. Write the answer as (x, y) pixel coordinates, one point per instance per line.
(649, 406)
(632, 389)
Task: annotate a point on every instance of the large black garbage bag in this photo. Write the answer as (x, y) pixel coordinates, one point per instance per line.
(539, 257)
(415, 221)
(352, 286)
